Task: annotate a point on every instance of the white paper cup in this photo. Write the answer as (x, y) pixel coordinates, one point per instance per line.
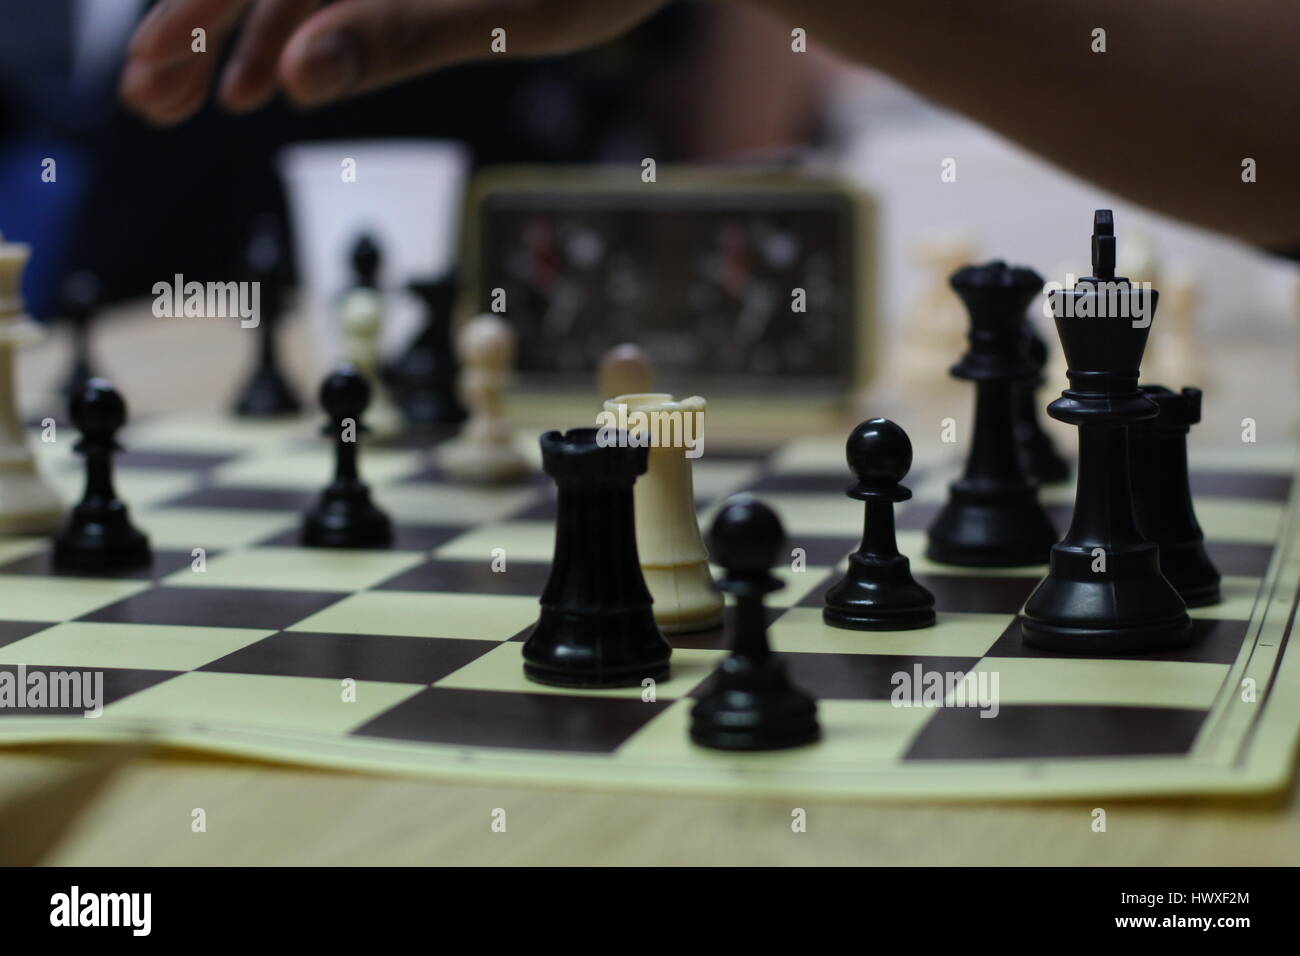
(406, 193)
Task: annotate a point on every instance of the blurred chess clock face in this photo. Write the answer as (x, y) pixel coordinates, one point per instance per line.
(726, 283)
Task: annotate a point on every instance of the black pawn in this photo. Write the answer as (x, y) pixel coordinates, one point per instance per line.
(79, 300)
(1037, 451)
(345, 517)
(1104, 593)
(365, 262)
(993, 517)
(879, 593)
(423, 380)
(596, 627)
(1162, 494)
(267, 393)
(99, 535)
(750, 702)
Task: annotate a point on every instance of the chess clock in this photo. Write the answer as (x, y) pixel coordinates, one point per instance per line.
(749, 281)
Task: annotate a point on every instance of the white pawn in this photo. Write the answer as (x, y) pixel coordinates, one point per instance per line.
(673, 558)
(485, 449)
(361, 317)
(625, 370)
(28, 505)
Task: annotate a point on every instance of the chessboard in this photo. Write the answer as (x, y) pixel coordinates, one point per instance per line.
(407, 660)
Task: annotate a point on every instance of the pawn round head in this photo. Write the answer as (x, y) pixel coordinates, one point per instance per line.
(486, 341)
(625, 369)
(746, 537)
(345, 393)
(98, 410)
(879, 453)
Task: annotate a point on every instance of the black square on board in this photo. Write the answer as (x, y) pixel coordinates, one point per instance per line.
(163, 564)
(1047, 731)
(406, 537)
(1234, 557)
(269, 610)
(475, 718)
(864, 676)
(1214, 641)
(119, 682)
(823, 549)
(1240, 484)
(526, 578)
(251, 499)
(373, 657)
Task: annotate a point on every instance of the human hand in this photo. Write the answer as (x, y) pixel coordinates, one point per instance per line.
(317, 55)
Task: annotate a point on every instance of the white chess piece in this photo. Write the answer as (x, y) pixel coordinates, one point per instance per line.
(485, 449)
(1172, 355)
(933, 331)
(673, 558)
(625, 370)
(360, 316)
(28, 505)
(1178, 347)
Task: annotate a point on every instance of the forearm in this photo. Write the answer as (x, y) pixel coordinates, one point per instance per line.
(1186, 90)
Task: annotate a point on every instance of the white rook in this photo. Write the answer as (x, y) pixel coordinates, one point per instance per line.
(672, 553)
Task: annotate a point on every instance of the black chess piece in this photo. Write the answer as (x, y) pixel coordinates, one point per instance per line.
(1162, 493)
(365, 262)
(80, 297)
(596, 627)
(99, 535)
(878, 593)
(750, 703)
(1104, 593)
(423, 380)
(345, 517)
(1038, 452)
(267, 393)
(993, 517)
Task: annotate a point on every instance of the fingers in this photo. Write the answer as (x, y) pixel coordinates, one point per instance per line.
(321, 55)
(166, 79)
(350, 47)
(249, 79)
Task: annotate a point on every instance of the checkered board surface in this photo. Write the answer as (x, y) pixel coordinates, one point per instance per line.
(250, 655)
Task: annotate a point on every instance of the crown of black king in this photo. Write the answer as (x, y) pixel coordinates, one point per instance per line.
(1103, 322)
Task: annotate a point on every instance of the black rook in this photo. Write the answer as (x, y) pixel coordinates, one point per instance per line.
(1157, 451)
(596, 627)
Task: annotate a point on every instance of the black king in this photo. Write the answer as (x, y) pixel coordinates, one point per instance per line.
(1104, 592)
